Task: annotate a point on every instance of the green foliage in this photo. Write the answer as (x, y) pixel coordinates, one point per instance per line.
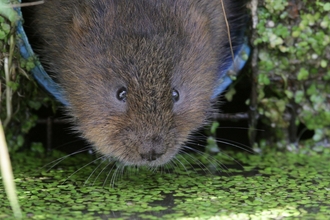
(212, 145)
(293, 42)
(18, 111)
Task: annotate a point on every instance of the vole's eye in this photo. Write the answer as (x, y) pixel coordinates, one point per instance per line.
(175, 95)
(121, 94)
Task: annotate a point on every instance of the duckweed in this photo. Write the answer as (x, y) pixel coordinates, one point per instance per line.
(274, 185)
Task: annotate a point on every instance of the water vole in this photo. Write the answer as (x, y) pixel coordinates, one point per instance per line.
(138, 75)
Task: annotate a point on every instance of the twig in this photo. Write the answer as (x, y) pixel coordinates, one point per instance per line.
(26, 4)
(253, 7)
(228, 30)
(253, 108)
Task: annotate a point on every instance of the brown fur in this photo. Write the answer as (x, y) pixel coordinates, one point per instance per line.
(95, 47)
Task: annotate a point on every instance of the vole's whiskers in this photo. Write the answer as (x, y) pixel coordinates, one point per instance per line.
(208, 158)
(235, 144)
(114, 176)
(98, 175)
(170, 165)
(68, 143)
(59, 160)
(240, 128)
(177, 161)
(92, 173)
(93, 161)
(197, 161)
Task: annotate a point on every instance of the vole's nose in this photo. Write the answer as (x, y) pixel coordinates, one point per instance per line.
(151, 155)
(152, 148)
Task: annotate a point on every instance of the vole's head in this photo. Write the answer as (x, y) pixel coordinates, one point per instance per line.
(144, 103)
(139, 79)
